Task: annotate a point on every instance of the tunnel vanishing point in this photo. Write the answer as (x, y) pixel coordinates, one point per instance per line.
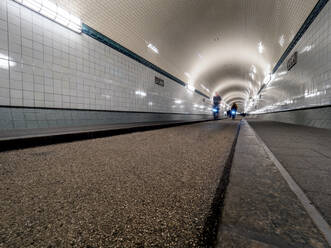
(165, 123)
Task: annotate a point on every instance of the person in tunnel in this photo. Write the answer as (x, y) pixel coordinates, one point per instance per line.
(234, 109)
(216, 102)
(228, 113)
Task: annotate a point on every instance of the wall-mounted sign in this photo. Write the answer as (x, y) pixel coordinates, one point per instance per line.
(292, 61)
(159, 81)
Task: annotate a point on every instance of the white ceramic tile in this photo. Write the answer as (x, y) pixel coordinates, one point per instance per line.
(65, 69)
(306, 84)
(4, 100)
(4, 92)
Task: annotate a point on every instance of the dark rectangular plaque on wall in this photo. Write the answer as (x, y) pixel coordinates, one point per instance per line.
(159, 81)
(292, 61)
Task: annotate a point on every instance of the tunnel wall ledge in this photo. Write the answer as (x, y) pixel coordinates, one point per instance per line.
(22, 117)
(316, 116)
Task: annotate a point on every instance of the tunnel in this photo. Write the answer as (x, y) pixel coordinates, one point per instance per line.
(165, 123)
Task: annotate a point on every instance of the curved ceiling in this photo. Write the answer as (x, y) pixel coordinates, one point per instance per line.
(214, 43)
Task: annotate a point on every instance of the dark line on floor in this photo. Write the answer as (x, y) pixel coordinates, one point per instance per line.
(208, 237)
(321, 153)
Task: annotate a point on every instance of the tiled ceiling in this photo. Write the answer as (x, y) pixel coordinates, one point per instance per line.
(215, 41)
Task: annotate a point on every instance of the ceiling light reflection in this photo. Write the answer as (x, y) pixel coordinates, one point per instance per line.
(190, 87)
(205, 88)
(140, 93)
(53, 12)
(253, 69)
(187, 75)
(311, 94)
(282, 73)
(306, 49)
(281, 40)
(153, 48)
(5, 62)
(260, 47)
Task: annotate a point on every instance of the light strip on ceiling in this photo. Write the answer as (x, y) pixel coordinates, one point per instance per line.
(205, 88)
(188, 75)
(52, 11)
(153, 48)
(260, 47)
(190, 87)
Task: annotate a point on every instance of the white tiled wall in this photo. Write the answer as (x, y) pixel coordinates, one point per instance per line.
(43, 64)
(308, 83)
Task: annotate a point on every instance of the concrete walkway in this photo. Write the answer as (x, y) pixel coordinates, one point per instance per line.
(260, 209)
(305, 152)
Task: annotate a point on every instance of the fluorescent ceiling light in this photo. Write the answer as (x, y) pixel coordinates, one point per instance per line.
(306, 49)
(187, 74)
(53, 12)
(277, 79)
(282, 73)
(178, 101)
(49, 9)
(33, 4)
(190, 87)
(267, 70)
(253, 68)
(205, 88)
(312, 94)
(62, 17)
(281, 40)
(260, 47)
(153, 48)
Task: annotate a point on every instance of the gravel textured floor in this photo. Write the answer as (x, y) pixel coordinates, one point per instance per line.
(150, 189)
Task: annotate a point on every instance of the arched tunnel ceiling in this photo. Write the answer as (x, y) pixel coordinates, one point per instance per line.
(214, 41)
